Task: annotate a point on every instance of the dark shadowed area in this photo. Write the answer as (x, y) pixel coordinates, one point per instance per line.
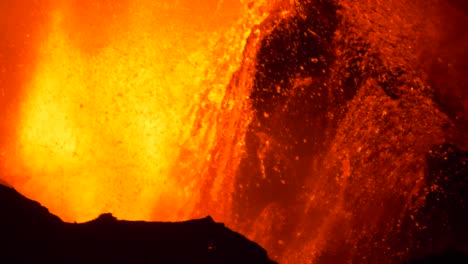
(30, 234)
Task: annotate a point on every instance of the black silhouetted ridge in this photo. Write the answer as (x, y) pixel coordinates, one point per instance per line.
(30, 234)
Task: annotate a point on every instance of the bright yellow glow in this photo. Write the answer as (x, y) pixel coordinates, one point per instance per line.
(119, 102)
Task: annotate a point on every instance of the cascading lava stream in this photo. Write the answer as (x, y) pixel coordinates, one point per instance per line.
(324, 130)
(120, 111)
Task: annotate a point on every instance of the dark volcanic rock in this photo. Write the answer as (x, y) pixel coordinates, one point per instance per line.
(30, 234)
(449, 256)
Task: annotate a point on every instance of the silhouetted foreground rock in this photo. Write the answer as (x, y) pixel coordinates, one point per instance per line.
(30, 234)
(448, 257)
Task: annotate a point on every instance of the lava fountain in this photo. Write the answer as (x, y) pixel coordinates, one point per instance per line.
(125, 102)
(311, 126)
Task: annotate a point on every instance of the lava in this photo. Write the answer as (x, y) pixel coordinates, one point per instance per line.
(306, 125)
(122, 99)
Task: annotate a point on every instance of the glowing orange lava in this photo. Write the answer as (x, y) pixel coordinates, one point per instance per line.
(307, 125)
(119, 103)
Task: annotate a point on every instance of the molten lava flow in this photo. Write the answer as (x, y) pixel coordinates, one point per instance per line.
(307, 125)
(121, 111)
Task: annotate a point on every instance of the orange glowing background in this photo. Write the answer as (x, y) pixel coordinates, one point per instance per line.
(114, 100)
(156, 110)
